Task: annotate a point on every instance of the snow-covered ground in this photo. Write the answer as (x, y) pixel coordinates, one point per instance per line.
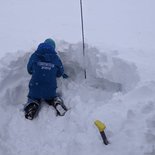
(120, 85)
(112, 93)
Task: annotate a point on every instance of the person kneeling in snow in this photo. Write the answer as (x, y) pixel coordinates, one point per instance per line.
(45, 66)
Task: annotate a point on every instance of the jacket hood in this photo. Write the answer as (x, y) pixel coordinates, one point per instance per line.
(45, 48)
(45, 51)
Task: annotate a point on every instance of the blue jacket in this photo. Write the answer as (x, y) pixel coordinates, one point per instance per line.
(45, 66)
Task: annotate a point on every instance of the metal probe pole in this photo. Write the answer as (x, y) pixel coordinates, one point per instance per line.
(83, 38)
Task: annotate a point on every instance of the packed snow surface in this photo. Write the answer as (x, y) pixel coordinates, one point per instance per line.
(120, 85)
(113, 93)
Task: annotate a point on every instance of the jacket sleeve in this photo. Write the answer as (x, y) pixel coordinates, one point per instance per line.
(30, 64)
(60, 68)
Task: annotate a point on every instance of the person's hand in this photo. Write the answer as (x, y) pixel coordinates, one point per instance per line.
(65, 76)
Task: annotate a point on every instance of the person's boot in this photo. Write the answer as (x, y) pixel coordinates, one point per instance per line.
(59, 106)
(31, 110)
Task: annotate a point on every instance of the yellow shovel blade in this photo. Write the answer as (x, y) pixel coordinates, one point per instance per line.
(101, 126)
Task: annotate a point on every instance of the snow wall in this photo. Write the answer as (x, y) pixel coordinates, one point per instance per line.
(105, 72)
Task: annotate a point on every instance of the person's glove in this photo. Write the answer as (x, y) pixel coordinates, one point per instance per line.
(65, 76)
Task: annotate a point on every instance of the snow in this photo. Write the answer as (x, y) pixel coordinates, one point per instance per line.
(119, 89)
(123, 103)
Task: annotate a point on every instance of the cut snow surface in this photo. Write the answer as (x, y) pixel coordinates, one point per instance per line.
(112, 93)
